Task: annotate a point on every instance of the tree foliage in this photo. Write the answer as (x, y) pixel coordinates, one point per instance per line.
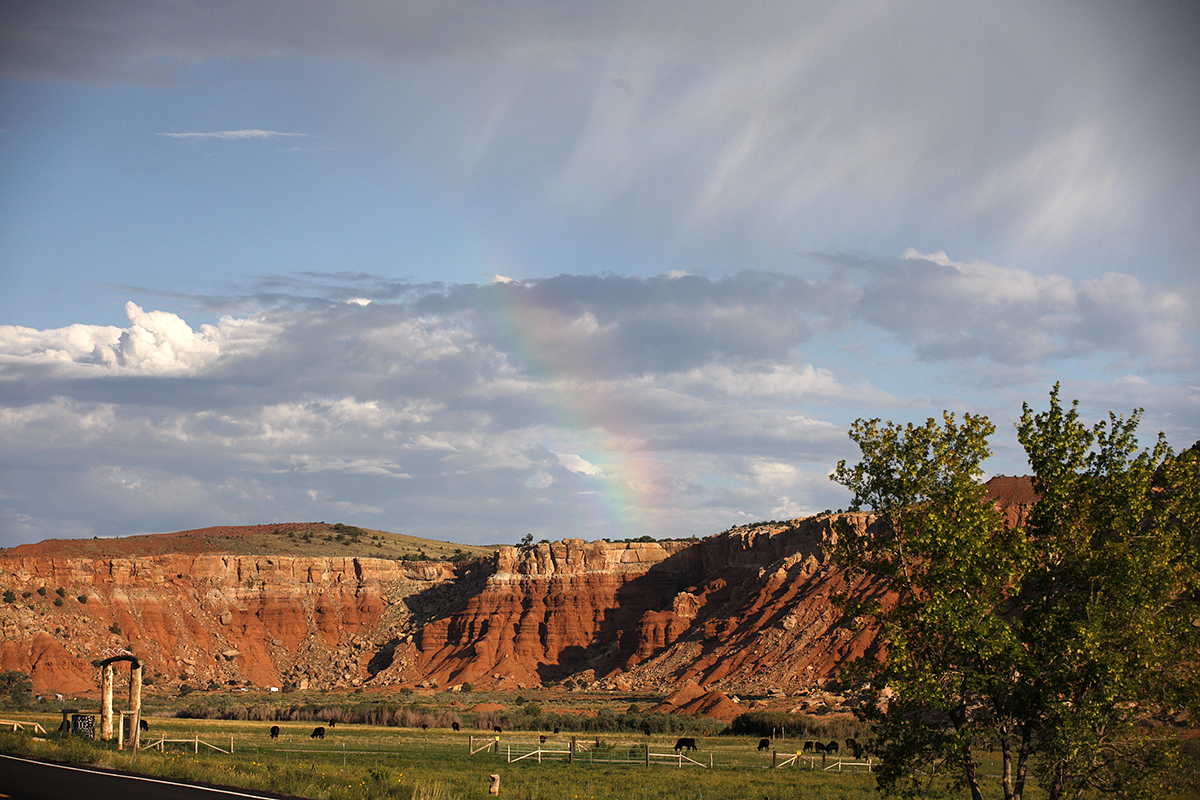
(16, 687)
(1054, 641)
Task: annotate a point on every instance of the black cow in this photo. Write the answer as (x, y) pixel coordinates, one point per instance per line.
(686, 743)
(454, 725)
(497, 729)
(333, 723)
(764, 744)
(274, 731)
(424, 726)
(556, 731)
(854, 747)
(832, 747)
(542, 739)
(808, 747)
(318, 733)
(143, 724)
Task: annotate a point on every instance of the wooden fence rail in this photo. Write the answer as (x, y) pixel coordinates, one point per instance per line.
(160, 744)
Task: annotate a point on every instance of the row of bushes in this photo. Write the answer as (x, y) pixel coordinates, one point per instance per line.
(410, 716)
(796, 726)
(528, 718)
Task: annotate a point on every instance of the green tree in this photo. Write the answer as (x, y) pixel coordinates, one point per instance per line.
(947, 562)
(1050, 640)
(1108, 604)
(17, 686)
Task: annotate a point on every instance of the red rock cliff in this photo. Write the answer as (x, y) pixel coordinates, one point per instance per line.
(195, 619)
(747, 610)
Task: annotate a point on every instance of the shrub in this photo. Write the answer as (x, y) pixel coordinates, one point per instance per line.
(16, 686)
(82, 599)
(77, 750)
(766, 723)
(14, 743)
(10, 596)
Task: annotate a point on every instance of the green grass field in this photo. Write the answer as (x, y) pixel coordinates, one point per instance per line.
(361, 761)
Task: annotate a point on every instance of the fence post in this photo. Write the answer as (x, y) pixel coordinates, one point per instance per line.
(571, 753)
(647, 754)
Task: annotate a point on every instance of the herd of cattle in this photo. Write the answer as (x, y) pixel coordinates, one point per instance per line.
(684, 743)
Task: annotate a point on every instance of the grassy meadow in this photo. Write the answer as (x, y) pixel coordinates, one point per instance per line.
(368, 762)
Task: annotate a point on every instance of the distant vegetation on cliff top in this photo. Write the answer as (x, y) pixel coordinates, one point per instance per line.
(281, 539)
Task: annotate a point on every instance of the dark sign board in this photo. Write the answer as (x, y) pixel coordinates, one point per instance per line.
(84, 725)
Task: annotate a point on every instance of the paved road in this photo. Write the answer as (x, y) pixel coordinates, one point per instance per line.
(22, 779)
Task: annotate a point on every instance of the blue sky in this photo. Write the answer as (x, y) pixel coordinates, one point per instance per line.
(472, 271)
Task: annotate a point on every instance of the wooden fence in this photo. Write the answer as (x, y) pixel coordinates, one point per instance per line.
(160, 744)
(576, 750)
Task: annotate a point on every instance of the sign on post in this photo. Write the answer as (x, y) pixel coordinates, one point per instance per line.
(84, 725)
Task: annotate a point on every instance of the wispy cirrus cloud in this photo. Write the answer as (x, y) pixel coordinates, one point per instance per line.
(251, 133)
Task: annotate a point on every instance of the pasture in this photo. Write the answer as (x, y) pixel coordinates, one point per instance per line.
(364, 762)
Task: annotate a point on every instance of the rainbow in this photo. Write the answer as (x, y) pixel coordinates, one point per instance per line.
(623, 474)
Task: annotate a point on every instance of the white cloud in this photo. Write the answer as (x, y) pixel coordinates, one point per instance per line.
(155, 342)
(961, 310)
(576, 463)
(428, 414)
(243, 134)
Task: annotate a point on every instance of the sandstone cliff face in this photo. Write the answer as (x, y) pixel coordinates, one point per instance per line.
(747, 610)
(195, 619)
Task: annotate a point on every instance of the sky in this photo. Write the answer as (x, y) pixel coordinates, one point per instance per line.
(480, 270)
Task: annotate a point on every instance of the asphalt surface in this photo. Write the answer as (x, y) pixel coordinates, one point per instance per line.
(22, 779)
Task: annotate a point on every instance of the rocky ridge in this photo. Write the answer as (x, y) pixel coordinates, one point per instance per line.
(746, 611)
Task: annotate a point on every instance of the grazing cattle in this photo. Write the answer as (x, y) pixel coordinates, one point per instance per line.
(143, 724)
(764, 744)
(333, 723)
(318, 733)
(424, 726)
(542, 739)
(497, 729)
(454, 725)
(808, 746)
(274, 731)
(556, 731)
(686, 743)
(832, 747)
(854, 747)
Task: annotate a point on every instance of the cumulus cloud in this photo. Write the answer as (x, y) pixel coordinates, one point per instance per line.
(470, 412)
(948, 309)
(156, 342)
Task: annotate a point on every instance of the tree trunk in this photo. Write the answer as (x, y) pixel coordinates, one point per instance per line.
(1022, 762)
(971, 770)
(1006, 780)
